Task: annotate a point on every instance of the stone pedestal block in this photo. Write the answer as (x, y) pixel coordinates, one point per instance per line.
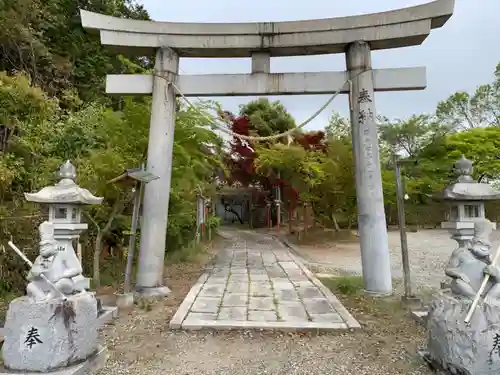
(459, 348)
(49, 335)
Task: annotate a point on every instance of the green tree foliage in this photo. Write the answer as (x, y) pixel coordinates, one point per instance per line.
(410, 136)
(53, 108)
(463, 125)
(266, 117)
(302, 169)
(45, 40)
(101, 142)
(481, 145)
(465, 111)
(319, 167)
(256, 118)
(338, 128)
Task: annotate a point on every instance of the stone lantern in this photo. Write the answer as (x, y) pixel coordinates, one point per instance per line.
(65, 201)
(465, 198)
(463, 319)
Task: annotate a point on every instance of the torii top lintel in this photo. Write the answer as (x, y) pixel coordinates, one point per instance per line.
(392, 29)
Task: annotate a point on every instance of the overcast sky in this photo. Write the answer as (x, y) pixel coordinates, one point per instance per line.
(459, 56)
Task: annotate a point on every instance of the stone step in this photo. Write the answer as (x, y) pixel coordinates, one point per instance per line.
(107, 315)
(419, 316)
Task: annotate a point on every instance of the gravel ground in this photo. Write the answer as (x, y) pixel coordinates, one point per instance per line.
(140, 342)
(429, 252)
(249, 353)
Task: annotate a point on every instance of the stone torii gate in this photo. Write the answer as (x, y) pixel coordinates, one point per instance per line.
(356, 36)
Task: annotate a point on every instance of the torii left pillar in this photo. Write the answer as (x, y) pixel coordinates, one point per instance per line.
(157, 193)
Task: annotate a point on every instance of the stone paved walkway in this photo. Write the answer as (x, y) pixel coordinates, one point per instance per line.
(256, 282)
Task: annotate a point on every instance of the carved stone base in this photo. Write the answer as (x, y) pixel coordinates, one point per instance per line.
(90, 366)
(159, 291)
(50, 335)
(459, 348)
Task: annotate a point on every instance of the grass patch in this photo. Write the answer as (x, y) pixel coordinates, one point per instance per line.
(374, 313)
(186, 254)
(113, 269)
(348, 285)
(387, 328)
(319, 236)
(112, 273)
(143, 303)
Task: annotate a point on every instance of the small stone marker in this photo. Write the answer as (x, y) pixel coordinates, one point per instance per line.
(48, 335)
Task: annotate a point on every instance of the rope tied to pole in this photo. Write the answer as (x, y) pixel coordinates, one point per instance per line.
(244, 138)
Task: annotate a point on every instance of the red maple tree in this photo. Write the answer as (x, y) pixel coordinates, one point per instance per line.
(312, 141)
(241, 159)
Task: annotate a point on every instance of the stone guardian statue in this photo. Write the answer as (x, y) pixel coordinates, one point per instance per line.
(54, 265)
(468, 265)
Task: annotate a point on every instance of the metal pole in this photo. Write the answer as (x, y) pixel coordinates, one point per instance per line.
(133, 233)
(278, 214)
(207, 214)
(278, 201)
(402, 229)
(198, 220)
(250, 209)
(268, 215)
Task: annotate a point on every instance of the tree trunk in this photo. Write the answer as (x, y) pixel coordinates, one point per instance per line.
(96, 278)
(306, 218)
(335, 223)
(312, 216)
(349, 224)
(117, 208)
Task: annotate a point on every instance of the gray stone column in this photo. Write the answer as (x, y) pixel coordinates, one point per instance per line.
(371, 214)
(157, 192)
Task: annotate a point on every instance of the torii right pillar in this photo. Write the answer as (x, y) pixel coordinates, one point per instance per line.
(372, 226)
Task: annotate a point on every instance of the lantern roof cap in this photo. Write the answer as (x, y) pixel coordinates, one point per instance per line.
(465, 188)
(65, 191)
(466, 191)
(464, 169)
